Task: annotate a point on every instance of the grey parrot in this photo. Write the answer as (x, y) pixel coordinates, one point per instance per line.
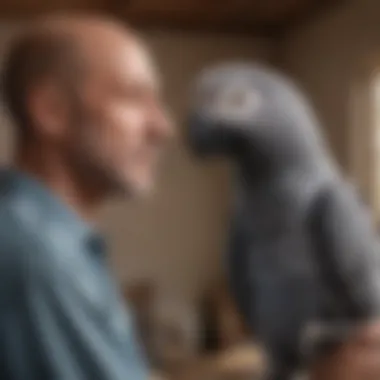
(303, 258)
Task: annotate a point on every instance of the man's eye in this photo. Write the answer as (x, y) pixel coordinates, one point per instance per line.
(135, 94)
(131, 93)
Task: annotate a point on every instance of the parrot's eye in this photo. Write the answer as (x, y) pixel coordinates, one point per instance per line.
(236, 103)
(236, 98)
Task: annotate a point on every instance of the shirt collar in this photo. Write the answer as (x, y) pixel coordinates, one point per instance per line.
(28, 189)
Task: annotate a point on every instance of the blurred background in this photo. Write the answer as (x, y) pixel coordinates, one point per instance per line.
(168, 252)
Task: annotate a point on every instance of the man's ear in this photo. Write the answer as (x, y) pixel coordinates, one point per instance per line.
(48, 108)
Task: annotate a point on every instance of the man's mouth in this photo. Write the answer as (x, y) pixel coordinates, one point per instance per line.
(149, 158)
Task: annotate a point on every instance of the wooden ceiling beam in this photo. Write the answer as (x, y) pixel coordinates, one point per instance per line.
(315, 9)
(268, 17)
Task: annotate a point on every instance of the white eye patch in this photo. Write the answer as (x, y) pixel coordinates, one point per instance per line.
(233, 103)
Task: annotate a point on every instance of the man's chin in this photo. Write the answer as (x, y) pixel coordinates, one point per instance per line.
(136, 189)
(142, 190)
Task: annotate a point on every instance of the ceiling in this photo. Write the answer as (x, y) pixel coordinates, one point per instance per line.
(246, 16)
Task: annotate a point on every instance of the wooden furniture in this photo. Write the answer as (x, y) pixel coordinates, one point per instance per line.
(232, 357)
(245, 362)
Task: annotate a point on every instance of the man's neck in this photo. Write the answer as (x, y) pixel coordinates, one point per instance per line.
(56, 175)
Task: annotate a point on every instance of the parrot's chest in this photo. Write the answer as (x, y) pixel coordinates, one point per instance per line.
(282, 265)
(277, 236)
(283, 274)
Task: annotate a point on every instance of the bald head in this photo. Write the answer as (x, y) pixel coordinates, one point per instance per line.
(87, 86)
(56, 47)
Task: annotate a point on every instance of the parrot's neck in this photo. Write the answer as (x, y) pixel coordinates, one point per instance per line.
(297, 182)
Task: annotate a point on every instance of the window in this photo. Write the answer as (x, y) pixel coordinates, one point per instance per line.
(375, 142)
(364, 138)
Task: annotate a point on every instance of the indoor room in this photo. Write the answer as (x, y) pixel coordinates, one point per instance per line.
(169, 251)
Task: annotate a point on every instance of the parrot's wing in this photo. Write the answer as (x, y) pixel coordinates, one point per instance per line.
(347, 251)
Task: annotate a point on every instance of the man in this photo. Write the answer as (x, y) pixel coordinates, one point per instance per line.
(358, 359)
(85, 101)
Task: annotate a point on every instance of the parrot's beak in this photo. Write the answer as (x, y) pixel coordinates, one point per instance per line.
(206, 139)
(199, 135)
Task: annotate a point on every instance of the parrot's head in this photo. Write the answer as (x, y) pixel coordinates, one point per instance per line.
(254, 116)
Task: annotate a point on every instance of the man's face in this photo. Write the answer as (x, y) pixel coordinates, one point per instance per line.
(122, 126)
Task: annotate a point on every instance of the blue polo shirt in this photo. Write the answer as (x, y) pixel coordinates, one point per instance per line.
(61, 314)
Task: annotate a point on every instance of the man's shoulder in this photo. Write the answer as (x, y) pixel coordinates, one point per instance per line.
(17, 221)
(21, 212)
(20, 239)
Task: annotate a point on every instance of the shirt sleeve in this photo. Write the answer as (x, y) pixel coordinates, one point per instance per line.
(47, 332)
(34, 343)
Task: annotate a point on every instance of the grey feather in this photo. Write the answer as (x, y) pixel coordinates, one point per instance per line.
(302, 250)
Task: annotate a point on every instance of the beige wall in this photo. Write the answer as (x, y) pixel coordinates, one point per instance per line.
(177, 237)
(332, 57)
